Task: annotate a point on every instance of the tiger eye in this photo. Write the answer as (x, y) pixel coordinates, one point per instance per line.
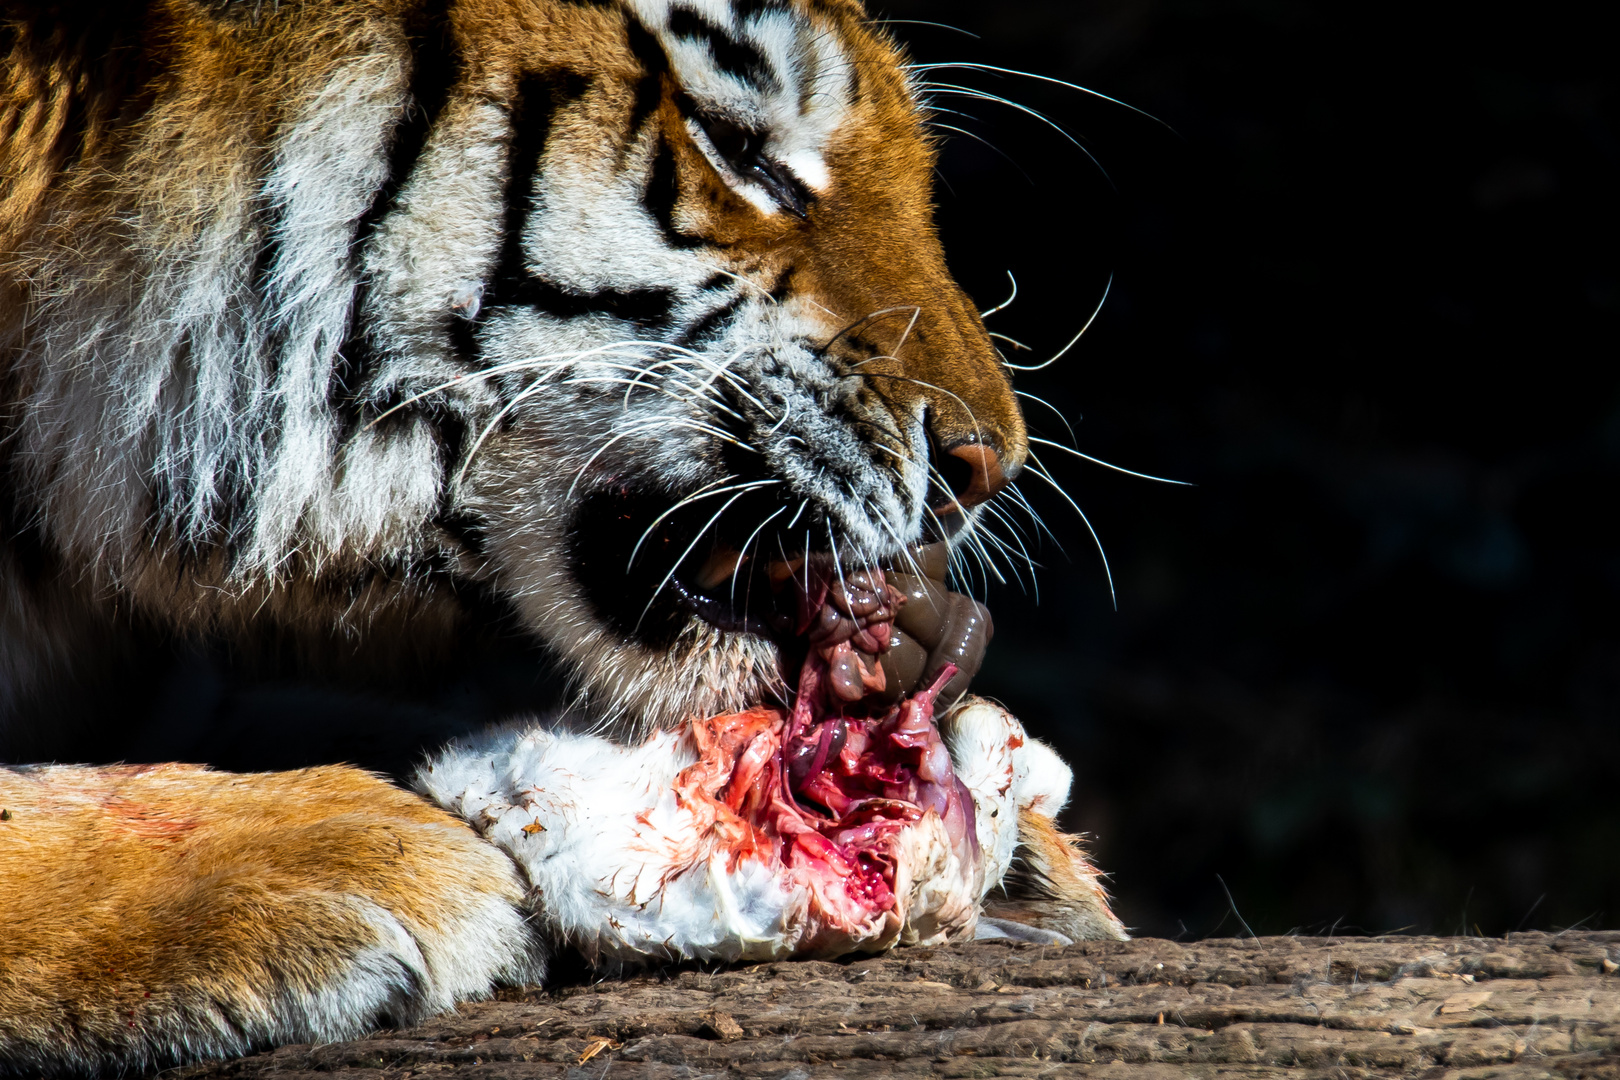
(732, 141)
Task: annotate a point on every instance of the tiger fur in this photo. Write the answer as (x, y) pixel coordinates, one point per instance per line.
(319, 319)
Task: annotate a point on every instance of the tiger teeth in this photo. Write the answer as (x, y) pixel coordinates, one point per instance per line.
(779, 571)
(719, 567)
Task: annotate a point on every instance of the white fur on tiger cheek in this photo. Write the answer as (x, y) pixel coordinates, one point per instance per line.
(623, 869)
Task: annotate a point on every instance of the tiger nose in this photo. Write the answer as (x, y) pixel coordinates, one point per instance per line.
(975, 476)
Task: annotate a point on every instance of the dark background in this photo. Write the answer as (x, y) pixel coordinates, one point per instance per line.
(1367, 671)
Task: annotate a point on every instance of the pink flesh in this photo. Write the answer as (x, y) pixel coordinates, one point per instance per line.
(835, 830)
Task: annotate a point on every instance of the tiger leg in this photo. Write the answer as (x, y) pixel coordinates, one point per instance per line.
(1048, 890)
(160, 914)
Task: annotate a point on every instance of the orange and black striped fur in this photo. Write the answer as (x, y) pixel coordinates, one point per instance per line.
(319, 318)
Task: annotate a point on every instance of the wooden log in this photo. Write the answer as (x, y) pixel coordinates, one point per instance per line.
(1527, 1007)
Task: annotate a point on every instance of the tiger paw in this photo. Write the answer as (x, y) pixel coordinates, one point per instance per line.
(157, 914)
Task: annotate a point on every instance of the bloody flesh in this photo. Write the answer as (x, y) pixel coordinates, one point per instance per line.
(823, 790)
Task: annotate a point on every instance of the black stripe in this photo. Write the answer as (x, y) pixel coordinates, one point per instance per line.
(736, 58)
(663, 192)
(436, 67)
(748, 9)
(234, 483)
(268, 224)
(464, 529)
(649, 309)
(654, 63)
(784, 285)
(452, 441)
(645, 47)
(711, 325)
(96, 54)
(464, 339)
(534, 107)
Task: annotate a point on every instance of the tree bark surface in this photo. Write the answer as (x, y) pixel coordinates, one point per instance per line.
(1528, 1007)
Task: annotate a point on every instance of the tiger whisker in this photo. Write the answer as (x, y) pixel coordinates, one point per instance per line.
(923, 22)
(1108, 465)
(916, 313)
(1009, 557)
(901, 546)
(1022, 553)
(976, 137)
(1016, 494)
(963, 65)
(723, 371)
(1005, 304)
(1055, 411)
(639, 428)
(870, 317)
(787, 410)
(979, 559)
(631, 384)
(562, 359)
(936, 479)
(710, 429)
(472, 452)
(1039, 470)
(977, 430)
(704, 492)
(743, 554)
(976, 539)
(985, 95)
(763, 291)
(740, 492)
(1072, 341)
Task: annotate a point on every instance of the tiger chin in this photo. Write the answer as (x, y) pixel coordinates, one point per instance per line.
(321, 321)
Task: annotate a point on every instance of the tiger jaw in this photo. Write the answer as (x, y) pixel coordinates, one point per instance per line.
(664, 608)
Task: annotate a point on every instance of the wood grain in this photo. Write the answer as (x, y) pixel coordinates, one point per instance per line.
(1527, 1007)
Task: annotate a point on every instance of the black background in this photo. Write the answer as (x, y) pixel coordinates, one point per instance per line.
(1367, 671)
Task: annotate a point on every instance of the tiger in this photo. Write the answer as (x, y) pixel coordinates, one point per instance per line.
(331, 327)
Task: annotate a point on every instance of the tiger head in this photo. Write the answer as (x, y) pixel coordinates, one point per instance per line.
(607, 308)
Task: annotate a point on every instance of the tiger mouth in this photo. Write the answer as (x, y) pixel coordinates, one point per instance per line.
(844, 789)
(648, 564)
(825, 791)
